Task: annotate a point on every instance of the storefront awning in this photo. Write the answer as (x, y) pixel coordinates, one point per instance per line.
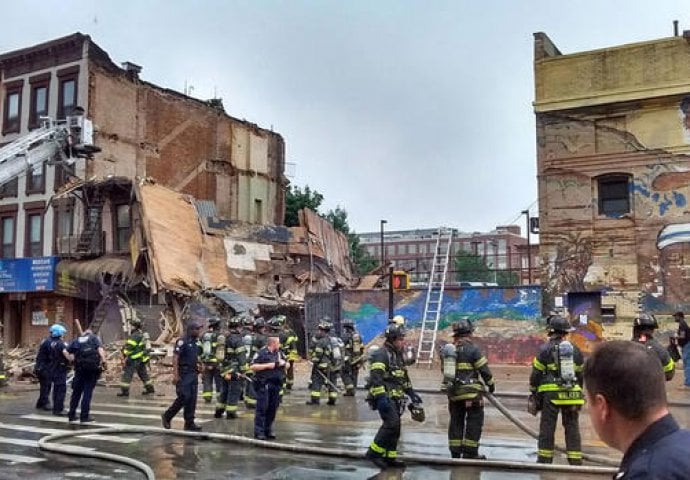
(91, 270)
(241, 303)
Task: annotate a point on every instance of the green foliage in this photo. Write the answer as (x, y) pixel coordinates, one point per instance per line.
(296, 199)
(473, 268)
(361, 258)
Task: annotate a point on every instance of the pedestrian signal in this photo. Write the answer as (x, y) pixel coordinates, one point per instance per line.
(401, 280)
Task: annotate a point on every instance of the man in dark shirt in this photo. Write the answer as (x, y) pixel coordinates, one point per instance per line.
(186, 369)
(52, 363)
(269, 367)
(626, 398)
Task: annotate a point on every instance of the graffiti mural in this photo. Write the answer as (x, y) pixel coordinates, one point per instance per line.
(507, 320)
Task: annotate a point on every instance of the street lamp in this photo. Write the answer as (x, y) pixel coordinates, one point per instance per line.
(383, 254)
(529, 248)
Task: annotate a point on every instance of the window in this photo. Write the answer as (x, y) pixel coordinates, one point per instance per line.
(67, 91)
(412, 248)
(7, 223)
(390, 249)
(33, 228)
(63, 228)
(614, 195)
(39, 99)
(258, 211)
(10, 189)
(35, 180)
(13, 107)
(122, 228)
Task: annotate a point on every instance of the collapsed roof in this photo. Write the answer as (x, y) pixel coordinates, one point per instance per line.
(182, 247)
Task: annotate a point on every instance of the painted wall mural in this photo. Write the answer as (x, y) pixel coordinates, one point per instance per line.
(508, 321)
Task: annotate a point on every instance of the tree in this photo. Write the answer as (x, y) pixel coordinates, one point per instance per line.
(470, 267)
(296, 199)
(361, 258)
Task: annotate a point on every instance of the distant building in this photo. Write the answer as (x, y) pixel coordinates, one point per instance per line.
(502, 249)
(232, 167)
(613, 163)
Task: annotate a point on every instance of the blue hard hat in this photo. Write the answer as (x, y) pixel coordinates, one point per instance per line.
(57, 330)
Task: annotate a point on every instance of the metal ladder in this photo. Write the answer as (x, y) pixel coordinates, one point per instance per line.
(26, 152)
(434, 296)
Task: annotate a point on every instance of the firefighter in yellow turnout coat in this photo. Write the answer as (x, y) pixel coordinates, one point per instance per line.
(556, 386)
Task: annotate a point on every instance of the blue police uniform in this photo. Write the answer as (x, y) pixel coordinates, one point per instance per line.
(87, 369)
(267, 385)
(188, 350)
(51, 368)
(659, 453)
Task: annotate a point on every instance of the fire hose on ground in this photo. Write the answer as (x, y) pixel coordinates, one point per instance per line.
(46, 444)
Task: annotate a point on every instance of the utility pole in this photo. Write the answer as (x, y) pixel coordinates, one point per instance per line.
(529, 248)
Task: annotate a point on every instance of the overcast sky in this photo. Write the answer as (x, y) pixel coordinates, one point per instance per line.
(417, 112)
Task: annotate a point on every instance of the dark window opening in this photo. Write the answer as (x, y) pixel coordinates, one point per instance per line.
(39, 99)
(614, 195)
(35, 180)
(122, 228)
(7, 233)
(13, 109)
(34, 234)
(10, 189)
(67, 91)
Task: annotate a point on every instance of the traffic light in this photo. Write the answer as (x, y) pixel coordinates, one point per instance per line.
(401, 280)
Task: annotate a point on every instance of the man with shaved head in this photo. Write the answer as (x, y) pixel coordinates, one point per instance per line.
(626, 397)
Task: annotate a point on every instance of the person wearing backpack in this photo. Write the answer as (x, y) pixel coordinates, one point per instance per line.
(89, 362)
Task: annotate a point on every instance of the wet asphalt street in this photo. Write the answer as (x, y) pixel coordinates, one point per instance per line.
(350, 426)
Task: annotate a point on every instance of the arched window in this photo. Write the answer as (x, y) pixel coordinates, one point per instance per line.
(614, 194)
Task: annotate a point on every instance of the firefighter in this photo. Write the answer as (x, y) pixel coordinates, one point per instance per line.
(336, 365)
(233, 370)
(321, 358)
(3, 377)
(353, 358)
(136, 353)
(388, 385)
(556, 386)
(462, 365)
(643, 331)
(186, 369)
(288, 346)
(258, 341)
(52, 363)
(211, 372)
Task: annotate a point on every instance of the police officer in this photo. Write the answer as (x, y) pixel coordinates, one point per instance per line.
(556, 386)
(353, 357)
(268, 364)
(258, 341)
(211, 373)
(186, 369)
(462, 365)
(233, 368)
(388, 384)
(52, 362)
(136, 354)
(321, 358)
(89, 362)
(643, 331)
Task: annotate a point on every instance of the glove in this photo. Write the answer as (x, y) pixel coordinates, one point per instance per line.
(414, 398)
(383, 403)
(492, 388)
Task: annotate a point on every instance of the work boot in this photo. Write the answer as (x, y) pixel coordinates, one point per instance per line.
(192, 427)
(123, 393)
(377, 460)
(231, 415)
(207, 399)
(166, 421)
(219, 413)
(474, 456)
(455, 455)
(349, 393)
(312, 401)
(148, 391)
(331, 401)
(395, 463)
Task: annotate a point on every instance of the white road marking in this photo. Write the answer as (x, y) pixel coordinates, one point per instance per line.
(20, 458)
(52, 418)
(34, 443)
(50, 431)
